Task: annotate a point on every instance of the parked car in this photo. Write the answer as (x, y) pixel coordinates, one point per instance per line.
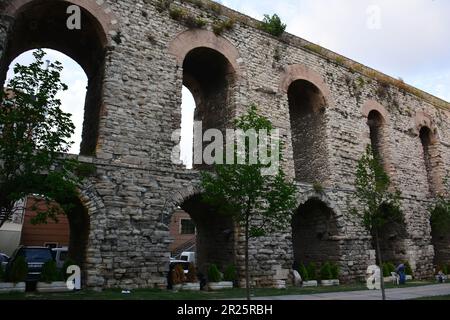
(188, 256)
(174, 263)
(60, 256)
(35, 257)
(3, 260)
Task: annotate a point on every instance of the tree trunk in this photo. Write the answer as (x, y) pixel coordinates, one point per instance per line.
(247, 276)
(380, 263)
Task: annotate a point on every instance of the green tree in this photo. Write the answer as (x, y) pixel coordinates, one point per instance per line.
(273, 25)
(440, 211)
(379, 205)
(260, 203)
(34, 135)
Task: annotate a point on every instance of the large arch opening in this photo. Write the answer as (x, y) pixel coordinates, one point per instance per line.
(430, 157)
(314, 234)
(213, 239)
(440, 237)
(377, 129)
(392, 240)
(70, 231)
(209, 77)
(308, 126)
(43, 24)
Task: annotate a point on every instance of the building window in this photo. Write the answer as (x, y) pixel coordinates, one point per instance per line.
(187, 226)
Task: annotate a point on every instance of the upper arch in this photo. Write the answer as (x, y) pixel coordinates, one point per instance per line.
(371, 105)
(98, 9)
(424, 120)
(191, 39)
(296, 72)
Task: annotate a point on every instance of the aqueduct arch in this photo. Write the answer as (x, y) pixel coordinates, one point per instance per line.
(308, 98)
(315, 234)
(38, 24)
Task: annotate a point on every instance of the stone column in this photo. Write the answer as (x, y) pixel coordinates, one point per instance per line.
(5, 24)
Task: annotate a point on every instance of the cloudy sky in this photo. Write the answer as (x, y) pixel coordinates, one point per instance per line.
(402, 38)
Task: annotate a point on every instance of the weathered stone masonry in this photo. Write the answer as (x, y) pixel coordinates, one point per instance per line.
(134, 52)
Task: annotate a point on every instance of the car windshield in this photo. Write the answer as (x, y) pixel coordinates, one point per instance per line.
(37, 255)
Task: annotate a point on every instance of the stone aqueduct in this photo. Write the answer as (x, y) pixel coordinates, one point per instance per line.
(137, 57)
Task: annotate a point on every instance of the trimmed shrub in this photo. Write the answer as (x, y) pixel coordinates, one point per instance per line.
(312, 271)
(67, 264)
(19, 271)
(178, 276)
(230, 273)
(192, 274)
(391, 267)
(334, 271)
(388, 267)
(408, 270)
(49, 272)
(444, 269)
(214, 274)
(303, 272)
(325, 272)
(177, 13)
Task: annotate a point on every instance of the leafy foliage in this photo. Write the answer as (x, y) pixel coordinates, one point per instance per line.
(312, 271)
(303, 272)
(214, 274)
(35, 132)
(19, 270)
(230, 273)
(242, 191)
(192, 273)
(325, 272)
(260, 203)
(408, 269)
(178, 276)
(380, 205)
(334, 271)
(273, 25)
(440, 211)
(388, 267)
(49, 272)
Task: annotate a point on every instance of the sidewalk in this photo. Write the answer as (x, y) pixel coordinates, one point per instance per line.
(391, 294)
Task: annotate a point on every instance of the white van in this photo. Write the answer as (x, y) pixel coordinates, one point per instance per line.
(60, 256)
(188, 257)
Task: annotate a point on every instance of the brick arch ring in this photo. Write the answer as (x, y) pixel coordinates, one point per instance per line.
(372, 105)
(304, 197)
(188, 40)
(177, 199)
(99, 9)
(296, 72)
(421, 120)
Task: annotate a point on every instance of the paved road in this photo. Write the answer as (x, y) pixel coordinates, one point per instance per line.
(391, 294)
